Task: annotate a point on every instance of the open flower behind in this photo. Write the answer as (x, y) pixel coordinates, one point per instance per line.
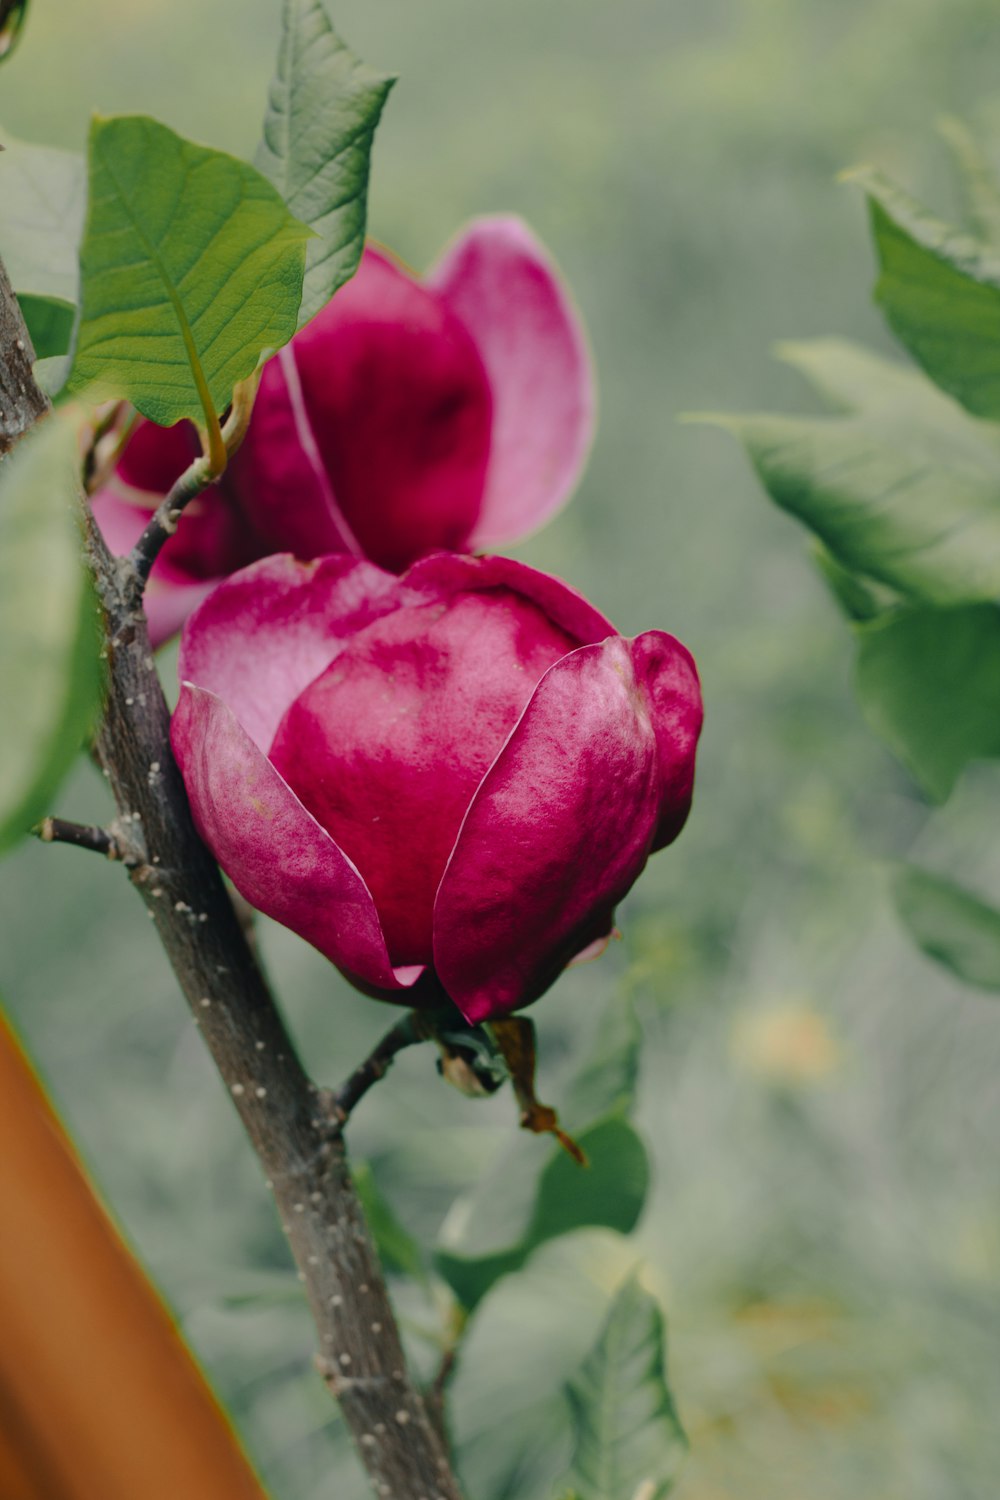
(445, 781)
(407, 417)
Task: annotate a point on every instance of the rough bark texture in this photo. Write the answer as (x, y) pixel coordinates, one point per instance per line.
(21, 402)
(291, 1124)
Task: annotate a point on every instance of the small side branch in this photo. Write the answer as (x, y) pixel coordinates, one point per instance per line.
(165, 518)
(83, 835)
(203, 472)
(413, 1028)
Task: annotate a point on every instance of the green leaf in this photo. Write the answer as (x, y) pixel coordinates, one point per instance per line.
(629, 1439)
(940, 291)
(49, 322)
(493, 1230)
(41, 221)
(929, 684)
(900, 487)
(323, 108)
(513, 1210)
(397, 1248)
(606, 1083)
(12, 14)
(191, 268)
(50, 676)
(950, 925)
(979, 181)
(856, 598)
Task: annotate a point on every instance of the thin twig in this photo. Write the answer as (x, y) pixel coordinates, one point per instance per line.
(82, 835)
(299, 1143)
(163, 522)
(413, 1028)
(197, 477)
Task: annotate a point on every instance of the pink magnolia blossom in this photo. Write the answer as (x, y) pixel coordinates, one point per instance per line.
(408, 417)
(444, 781)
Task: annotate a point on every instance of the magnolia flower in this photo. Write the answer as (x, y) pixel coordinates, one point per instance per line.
(444, 781)
(408, 417)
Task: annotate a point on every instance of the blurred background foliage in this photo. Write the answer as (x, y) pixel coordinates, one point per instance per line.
(820, 1104)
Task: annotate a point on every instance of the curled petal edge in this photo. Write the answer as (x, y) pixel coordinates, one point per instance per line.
(274, 851)
(557, 832)
(507, 290)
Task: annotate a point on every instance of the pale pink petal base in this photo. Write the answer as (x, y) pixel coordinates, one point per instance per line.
(276, 854)
(501, 283)
(263, 636)
(558, 831)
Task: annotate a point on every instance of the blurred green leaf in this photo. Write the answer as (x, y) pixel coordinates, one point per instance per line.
(940, 290)
(322, 112)
(951, 925)
(49, 322)
(852, 594)
(606, 1083)
(979, 181)
(12, 14)
(929, 684)
(901, 487)
(50, 675)
(41, 223)
(629, 1439)
(397, 1248)
(493, 1230)
(512, 1210)
(191, 267)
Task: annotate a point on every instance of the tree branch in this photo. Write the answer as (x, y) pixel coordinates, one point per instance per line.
(295, 1135)
(22, 402)
(163, 522)
(418, 1026)
(83, 835)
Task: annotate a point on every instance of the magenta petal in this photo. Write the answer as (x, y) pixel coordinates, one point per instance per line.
(265, 633)
(274, 852)
(669, 679)
(279, 475)
(447, 573)
(557, 832)
(501, 283)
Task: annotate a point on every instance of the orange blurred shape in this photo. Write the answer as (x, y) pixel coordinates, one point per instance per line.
(99, 1397)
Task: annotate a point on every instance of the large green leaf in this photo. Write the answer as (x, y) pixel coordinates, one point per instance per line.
(49, 321)
(951, 925)
(42, 196)
(940, 290)
(191, 268)
(49, 650)
(929, 684)
(629, 1439)
(980, 185)
(322, 112)
(901, 486)
(514, 1209)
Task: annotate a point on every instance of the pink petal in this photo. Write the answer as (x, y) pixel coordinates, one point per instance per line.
(376, 427)
(168, 605)
(155, 456)
(509, 294)
(265, 633)
(448, 573)
(669, 678)
(387, 747)
(558, 831)
(274, 852)
(279, 473)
